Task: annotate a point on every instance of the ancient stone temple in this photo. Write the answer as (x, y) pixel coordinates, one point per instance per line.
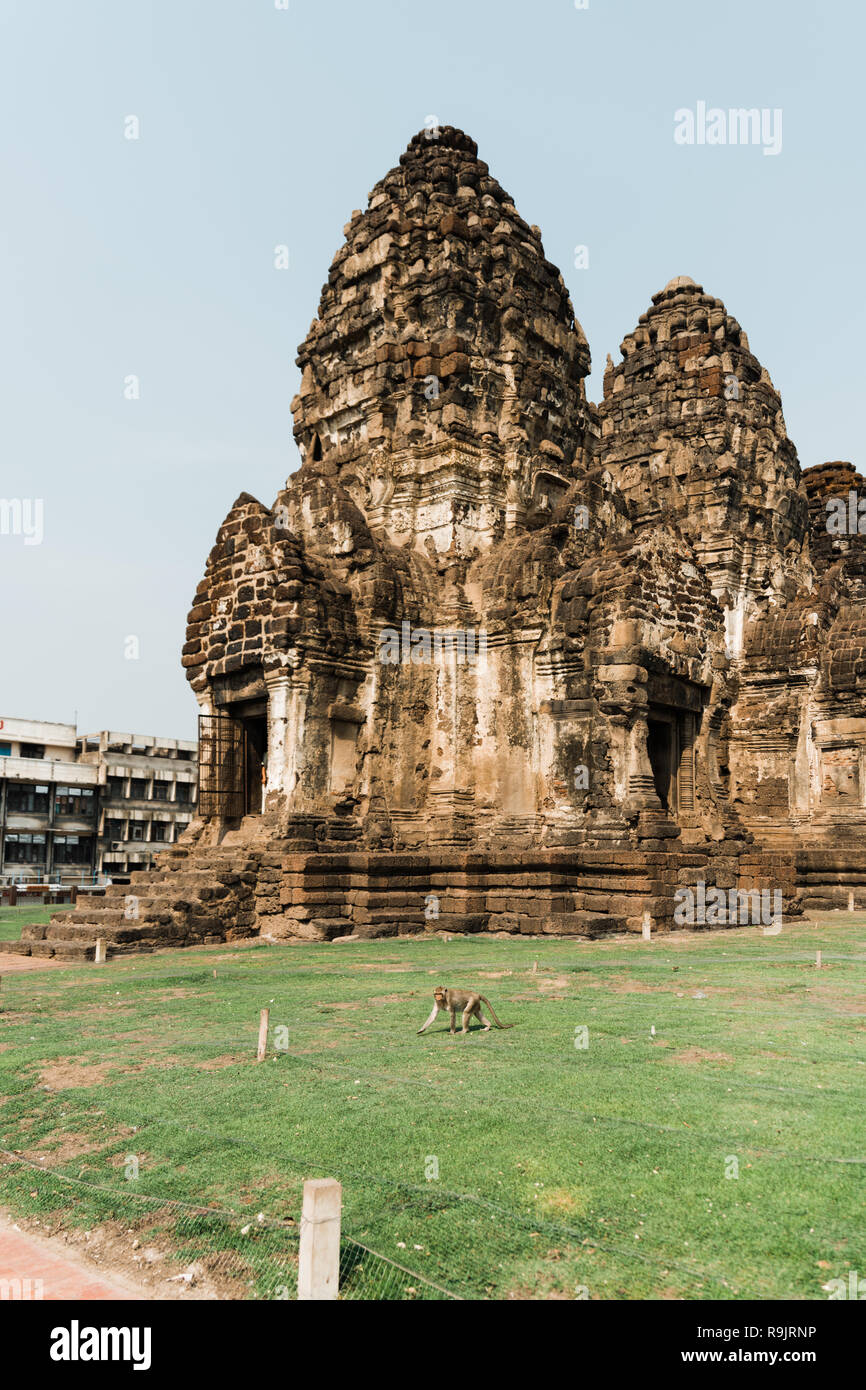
(497, 659)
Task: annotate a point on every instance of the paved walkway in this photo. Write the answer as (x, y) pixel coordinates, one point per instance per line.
(45, 1271)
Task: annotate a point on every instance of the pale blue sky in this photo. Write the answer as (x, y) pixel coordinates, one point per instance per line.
(261, 126)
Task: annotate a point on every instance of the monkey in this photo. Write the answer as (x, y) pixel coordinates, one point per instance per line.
(467, 1003)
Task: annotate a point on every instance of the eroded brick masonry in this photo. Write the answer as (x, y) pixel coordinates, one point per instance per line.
(497, 658)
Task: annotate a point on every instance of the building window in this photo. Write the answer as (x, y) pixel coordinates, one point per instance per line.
(114, 786)
(5, 750)
(114, 828)
(25, 849)
(33, 750)
(159, 831)
(74, 801)
(137, 829)
(138, 788)
(160, 791)
(22, 796)
(72, 849)
(183, 793)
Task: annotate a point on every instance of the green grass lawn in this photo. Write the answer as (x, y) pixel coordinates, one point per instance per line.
(508, 1164)
(12, 919)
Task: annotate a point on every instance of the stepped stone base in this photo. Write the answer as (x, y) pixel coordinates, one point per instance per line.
(262, 879)
(831, 880)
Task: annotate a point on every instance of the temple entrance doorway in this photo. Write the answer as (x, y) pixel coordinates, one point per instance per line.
(255, 729)
(663, 752)
(233, 753)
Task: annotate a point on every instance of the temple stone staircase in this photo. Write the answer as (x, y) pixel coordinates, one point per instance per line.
(196, 893)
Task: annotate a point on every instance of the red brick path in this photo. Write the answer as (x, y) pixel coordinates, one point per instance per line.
(27, 1258)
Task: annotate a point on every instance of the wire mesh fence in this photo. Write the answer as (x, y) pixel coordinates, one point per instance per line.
(539, 1143)
(212, 1252)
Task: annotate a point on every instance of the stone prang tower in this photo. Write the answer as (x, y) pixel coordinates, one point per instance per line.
(499, 659)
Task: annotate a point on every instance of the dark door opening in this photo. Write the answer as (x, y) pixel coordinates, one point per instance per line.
(660, 749)
(233, 753)
(255, 729)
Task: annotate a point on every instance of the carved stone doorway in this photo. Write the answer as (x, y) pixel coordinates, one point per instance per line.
(233, 752)
(663, 752)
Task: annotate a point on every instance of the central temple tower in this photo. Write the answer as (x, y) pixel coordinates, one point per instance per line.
(443, 379)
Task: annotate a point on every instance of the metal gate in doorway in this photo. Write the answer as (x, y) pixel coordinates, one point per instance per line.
(222, 772)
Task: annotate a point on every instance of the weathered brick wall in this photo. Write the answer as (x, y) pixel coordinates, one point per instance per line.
(647, 559)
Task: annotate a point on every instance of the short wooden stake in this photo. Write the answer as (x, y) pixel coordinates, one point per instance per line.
(319, 1254)
(99, 952)
(818, 960)
(646, 930)
(263, 1034)
(851, 900)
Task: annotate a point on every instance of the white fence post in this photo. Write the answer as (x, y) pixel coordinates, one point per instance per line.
(261, 1051)
(319, 1257)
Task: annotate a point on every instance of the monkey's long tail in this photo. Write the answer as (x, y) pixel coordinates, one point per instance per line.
(493, 1012)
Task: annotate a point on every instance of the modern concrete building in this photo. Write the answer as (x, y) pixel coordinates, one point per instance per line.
(48, 804)
(147, 793)
(78, 809)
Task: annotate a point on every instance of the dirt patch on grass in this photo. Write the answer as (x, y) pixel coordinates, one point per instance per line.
(230, 1059)
(694, 1055)
(330, 1004)
(548, 985)
(548, 1284)
(845, 1003)
(70, 1146)
(67, 1075)
(144, 1156)
(526, 1294)
(558, 1201)
(386, 999)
